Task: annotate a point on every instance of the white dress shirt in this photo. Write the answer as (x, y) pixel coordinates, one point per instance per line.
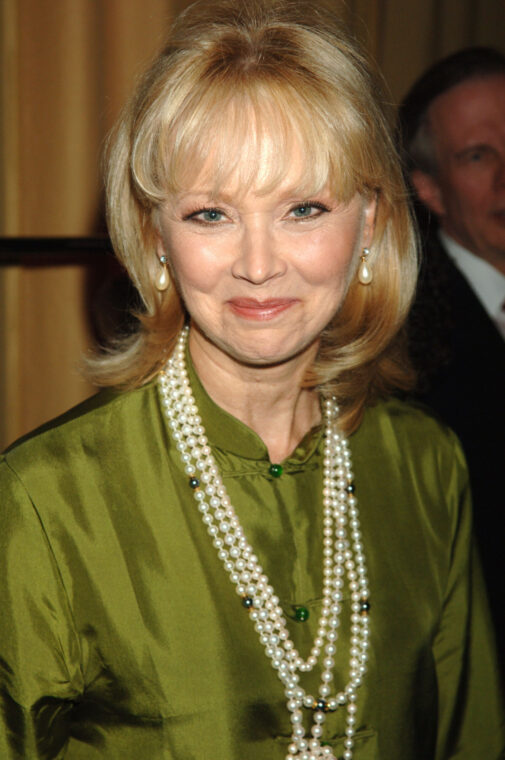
(485, 280)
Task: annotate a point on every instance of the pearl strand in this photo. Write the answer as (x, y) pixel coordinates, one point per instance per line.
(341, 558)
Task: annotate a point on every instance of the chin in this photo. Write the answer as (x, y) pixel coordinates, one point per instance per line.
(258, 355)
(261, 348)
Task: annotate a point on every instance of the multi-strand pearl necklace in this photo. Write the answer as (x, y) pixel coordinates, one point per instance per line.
(343, 556)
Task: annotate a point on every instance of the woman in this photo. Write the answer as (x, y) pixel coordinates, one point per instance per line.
(254, 195)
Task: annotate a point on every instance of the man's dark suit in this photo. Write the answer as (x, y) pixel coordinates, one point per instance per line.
(460, 356)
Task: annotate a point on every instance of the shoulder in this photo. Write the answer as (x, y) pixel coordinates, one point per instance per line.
(412, 482)
(410, 422)
(89, 427)
(446, 304)
(409, 441)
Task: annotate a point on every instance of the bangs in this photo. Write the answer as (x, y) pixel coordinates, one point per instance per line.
(248, 133)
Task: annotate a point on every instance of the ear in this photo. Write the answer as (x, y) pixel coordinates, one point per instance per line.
(369, 216)
(428, 191)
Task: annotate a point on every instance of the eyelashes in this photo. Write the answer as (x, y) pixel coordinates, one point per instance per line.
(309, 206)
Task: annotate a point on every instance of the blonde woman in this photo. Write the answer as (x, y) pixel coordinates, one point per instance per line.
(248, 548)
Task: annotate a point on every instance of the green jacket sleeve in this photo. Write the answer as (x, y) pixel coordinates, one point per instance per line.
(464, 648)
(39, 651)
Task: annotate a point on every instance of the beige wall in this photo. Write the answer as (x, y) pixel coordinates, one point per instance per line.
(67, 65)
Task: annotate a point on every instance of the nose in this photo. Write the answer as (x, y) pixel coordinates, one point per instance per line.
(258, 258)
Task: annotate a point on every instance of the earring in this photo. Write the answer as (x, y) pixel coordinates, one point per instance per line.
(161, 281)
(365, 275)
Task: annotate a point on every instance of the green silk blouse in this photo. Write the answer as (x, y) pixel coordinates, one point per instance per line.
(121, 636)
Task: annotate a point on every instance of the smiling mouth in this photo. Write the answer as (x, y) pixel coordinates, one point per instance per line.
(260, 311)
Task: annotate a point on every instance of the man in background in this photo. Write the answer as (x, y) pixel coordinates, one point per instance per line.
(453, 136)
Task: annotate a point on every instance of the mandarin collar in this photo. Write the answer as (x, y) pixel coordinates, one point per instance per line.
(227, 433)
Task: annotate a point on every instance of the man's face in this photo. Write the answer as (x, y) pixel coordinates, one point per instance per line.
(467, 126)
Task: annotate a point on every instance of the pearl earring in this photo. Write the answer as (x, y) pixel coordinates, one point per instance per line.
(365, 275)
(161, 281)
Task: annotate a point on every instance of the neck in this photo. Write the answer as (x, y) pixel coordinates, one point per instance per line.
(269, 400)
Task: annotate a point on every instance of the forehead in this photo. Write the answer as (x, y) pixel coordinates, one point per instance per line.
(473, 110)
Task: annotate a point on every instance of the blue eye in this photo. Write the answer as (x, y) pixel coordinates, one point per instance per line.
(211, 215)
(309, 210)
(303, 211)
(205, 216)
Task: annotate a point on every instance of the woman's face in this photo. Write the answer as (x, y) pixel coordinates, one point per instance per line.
(261, 275)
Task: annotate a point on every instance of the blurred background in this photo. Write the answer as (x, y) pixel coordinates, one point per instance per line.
(67, 66)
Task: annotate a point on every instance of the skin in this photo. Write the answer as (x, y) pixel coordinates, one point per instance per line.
(467, 125)
(261, 275)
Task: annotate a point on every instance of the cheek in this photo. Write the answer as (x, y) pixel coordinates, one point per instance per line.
(194, 265)
(329, 259)
(470, 192)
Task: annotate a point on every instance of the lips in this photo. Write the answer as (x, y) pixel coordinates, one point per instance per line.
(251, 308)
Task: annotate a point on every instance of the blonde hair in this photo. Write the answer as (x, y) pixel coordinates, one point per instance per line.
(305, 81)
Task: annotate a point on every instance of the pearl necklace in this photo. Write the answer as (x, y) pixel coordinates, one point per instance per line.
(342, 556)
